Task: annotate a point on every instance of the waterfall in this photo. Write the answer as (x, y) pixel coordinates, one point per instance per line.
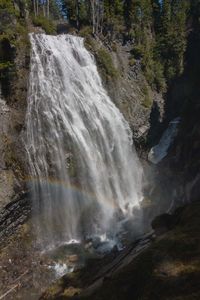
(85, 175)
(158, 152)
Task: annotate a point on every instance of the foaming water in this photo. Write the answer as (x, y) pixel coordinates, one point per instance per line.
(75, 134)
(61, 269)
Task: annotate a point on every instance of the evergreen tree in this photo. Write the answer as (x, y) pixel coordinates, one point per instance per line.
(156, 9)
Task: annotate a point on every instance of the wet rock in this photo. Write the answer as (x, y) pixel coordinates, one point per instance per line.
(88, 245)
(96, 242)
(168, 268)
(73, 258)
(14, 214)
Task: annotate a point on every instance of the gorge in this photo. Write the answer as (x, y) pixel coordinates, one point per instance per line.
(99, 150)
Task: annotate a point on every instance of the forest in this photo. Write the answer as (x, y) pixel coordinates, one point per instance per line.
(158, 30)
(99, 149)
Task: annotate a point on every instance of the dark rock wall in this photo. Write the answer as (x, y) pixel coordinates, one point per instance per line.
(183, 99)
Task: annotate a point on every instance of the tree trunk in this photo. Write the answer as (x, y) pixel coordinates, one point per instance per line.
(37, 8)
(48, 9)
(93, 15)
(43, 8)
(34, 7)
(77, 14)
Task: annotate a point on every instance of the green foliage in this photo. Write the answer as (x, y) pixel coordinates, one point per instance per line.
(147, 102)
(85, 31)
(114, 47)
(152, 68)
(171, 37)
(132, 62)
(138, 14)
(113, 12)
(7, 17)
(158, 32)
(159, 36)
(138, 51)
(12, 24)
(84, 13)
(13, 39)
(7, 36)
(55, 12)
(90, 43)
(77, 12)
(69, 9)
(21, 39)
(7, 7)
(159, 79)
(5, 65)
(45, 23)
(105, 62)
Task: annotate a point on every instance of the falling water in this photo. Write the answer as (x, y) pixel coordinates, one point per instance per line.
(158, 152)
(85, 174)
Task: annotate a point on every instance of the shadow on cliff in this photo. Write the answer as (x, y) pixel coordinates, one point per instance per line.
(182, 97)
(176, 179)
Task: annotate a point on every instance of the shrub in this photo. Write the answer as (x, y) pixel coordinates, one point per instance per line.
(137, 51)
(131, 62)
(85, 31)
(5, 65)
(147, 102)
(45, 23)
(7, 7)
(159, 79)
(105, 62)
(114, 47)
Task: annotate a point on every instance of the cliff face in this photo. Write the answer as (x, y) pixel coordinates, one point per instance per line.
(13, 205)
(133, 95)
(14, 52)
(127, 86)
(183, 100)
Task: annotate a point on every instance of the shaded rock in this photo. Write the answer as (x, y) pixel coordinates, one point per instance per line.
(73, 258)
(162, 223)
(168, 268)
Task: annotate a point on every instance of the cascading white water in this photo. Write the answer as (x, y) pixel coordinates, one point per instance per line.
(158, 152)
(72, 125)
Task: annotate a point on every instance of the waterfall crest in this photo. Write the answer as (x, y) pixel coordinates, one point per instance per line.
(85, 174)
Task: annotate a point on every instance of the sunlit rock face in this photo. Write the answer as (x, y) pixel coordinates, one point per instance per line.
(71, 123)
